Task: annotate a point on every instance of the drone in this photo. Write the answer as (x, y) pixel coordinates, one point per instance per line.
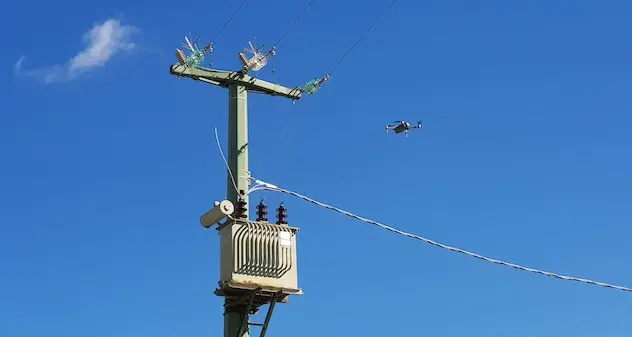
(196, 57)
(402, 126)
(257, 61)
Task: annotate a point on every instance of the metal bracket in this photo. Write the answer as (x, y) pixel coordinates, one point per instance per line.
(247, 301)
(248, 297)
(269, 314)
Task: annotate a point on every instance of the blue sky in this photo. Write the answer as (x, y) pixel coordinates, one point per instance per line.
(107, 163)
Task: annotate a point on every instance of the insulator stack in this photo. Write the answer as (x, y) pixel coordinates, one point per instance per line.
(182, 59)
(240, 209)
(310, 87)
(243, 59)
(281, 215)
(262, 212)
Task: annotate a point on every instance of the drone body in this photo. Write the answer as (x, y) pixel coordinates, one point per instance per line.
(402, 126)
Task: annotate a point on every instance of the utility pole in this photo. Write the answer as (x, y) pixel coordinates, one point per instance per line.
(257, 259)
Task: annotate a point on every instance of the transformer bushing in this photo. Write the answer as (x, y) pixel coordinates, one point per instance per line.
(281, 215)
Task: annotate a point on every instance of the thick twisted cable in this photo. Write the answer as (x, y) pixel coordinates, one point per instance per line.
(440, 245)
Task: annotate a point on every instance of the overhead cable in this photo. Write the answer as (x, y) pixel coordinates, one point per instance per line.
(261, 185)
(314, 85)
(361, 37)
(294, 23)
(229, 20)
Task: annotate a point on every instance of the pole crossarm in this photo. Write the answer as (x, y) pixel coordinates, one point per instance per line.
(224, 78)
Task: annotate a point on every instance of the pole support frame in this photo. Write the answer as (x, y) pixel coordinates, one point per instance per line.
(238, 83)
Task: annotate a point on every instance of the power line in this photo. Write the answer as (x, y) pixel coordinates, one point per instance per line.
(229, 20)
(273, 72)
(275, 83)
(265, 186)
(294, 23)
(271, 119)
(322, 80)
(361, 37)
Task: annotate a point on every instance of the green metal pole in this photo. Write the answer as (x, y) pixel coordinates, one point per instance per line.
(233, 320)
(238, 163)
(238, 141)
(236, 316)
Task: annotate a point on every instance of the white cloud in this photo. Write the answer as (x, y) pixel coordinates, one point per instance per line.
(104, 41)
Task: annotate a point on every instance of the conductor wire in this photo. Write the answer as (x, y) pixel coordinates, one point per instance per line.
(266, 186)
(219, 147)
(275, 83)
(331, 71)
(229, 20)
(294, 23)
(361, 37)
(265, 136)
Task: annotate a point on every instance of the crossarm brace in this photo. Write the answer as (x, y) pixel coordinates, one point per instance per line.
(269, 314)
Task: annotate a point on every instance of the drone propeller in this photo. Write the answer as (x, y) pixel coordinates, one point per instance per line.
(418, 126)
